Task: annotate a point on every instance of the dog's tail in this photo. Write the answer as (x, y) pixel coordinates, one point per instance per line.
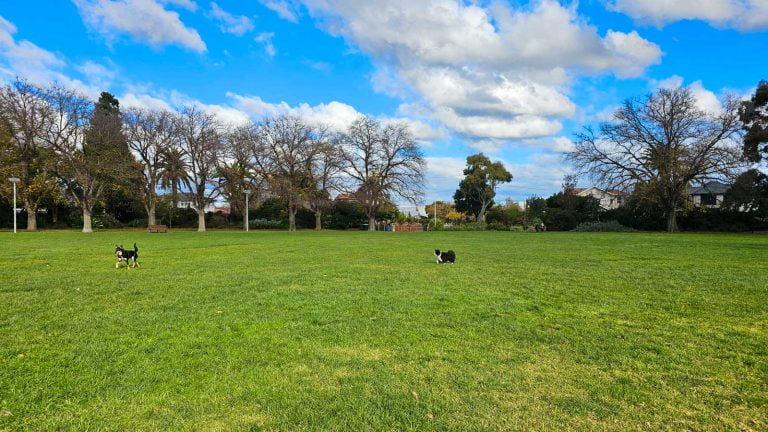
(135, 248)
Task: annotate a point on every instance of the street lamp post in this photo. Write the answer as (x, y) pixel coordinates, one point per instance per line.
(14, 180)
(247, 222)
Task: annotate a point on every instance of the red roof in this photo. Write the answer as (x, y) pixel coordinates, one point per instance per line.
(345, 197)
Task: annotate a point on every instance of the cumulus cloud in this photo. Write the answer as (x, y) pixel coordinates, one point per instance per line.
(494, 71)
(745, 15)
(706, 100)
(287, 10)
(143, 20)
(228, 23)
(22, 58)
(337, 116)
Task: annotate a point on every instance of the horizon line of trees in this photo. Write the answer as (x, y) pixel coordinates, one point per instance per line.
(65, 147)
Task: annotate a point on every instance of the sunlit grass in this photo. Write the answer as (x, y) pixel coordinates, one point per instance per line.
(363, 331)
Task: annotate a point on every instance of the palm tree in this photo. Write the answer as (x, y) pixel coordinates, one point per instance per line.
(174, 174)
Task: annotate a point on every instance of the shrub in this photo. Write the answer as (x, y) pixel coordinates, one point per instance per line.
(267, 224)
(521, 228)
(496, 226)
(610, 226)
(471, 226)
(431, 225)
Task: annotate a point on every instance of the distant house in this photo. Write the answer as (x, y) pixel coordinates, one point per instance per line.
(609, 198)
(710, 194)
(345, 197)
(186, 200)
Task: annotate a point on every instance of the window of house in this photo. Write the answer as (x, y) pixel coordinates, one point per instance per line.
(708, 199)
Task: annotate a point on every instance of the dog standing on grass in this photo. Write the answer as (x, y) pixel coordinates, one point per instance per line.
(445, 257)
(127, 256)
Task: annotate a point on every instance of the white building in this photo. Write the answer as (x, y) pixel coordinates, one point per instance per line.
(609, 199)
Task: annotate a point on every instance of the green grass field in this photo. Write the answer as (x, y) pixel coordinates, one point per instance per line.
(228, 331)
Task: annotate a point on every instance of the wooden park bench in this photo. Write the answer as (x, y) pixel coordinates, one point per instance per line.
(157, 228)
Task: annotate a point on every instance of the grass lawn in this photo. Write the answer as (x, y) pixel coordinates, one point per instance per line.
(363, 331)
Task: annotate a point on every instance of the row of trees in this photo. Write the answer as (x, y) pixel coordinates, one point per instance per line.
(66, 147)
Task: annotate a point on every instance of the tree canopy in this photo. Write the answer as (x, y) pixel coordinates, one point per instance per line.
(478, 188)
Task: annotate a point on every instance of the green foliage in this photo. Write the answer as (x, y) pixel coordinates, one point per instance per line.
(478, 188)
(431, 226)
(754, 116)
(507, 215)
(749, 193)
(469, 226)
(262, 224)
(609, 226)
(564, 211)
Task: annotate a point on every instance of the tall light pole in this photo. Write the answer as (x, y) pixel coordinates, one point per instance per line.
(435, 215)
(247, 223)
(14, 180)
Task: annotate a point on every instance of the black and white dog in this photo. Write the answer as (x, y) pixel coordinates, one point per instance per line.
(445, 257)
(127, 256)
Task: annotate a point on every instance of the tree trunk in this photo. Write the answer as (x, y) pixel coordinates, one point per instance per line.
(371, 223)
(31, 216)
(201, 220)
(87, 226)
(318, 220)
(151, 219)
(672, 220)
(291, 219)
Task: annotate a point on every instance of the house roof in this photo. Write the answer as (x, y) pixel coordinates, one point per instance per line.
(577, 191)
(345, 197)
(711, 187)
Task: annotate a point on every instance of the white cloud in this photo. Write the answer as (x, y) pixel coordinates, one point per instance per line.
(706, 100)
(337, 116)
(24, 59)
(287, 10)
(266, 40)
(143, 20)
(494, 71)
(143, 100)
(745, 15)
(228, 23)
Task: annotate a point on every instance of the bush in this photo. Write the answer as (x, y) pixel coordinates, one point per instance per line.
(431, 225)
(557, 219)
(610, 226)
(471, 226)
(267, 224)
(496, 226)
(521, 228)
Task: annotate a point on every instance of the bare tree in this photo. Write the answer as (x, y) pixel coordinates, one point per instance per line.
(24, 117)
(67, 134)
(663, 142)
(201, 142)
(150, 134)
(383, 162)
(325, 173)
(284, 152)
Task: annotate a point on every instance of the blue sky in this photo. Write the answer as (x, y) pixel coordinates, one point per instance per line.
(514, 79)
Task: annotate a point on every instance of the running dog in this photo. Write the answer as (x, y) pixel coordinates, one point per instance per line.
(445, 257)
(127, 256)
